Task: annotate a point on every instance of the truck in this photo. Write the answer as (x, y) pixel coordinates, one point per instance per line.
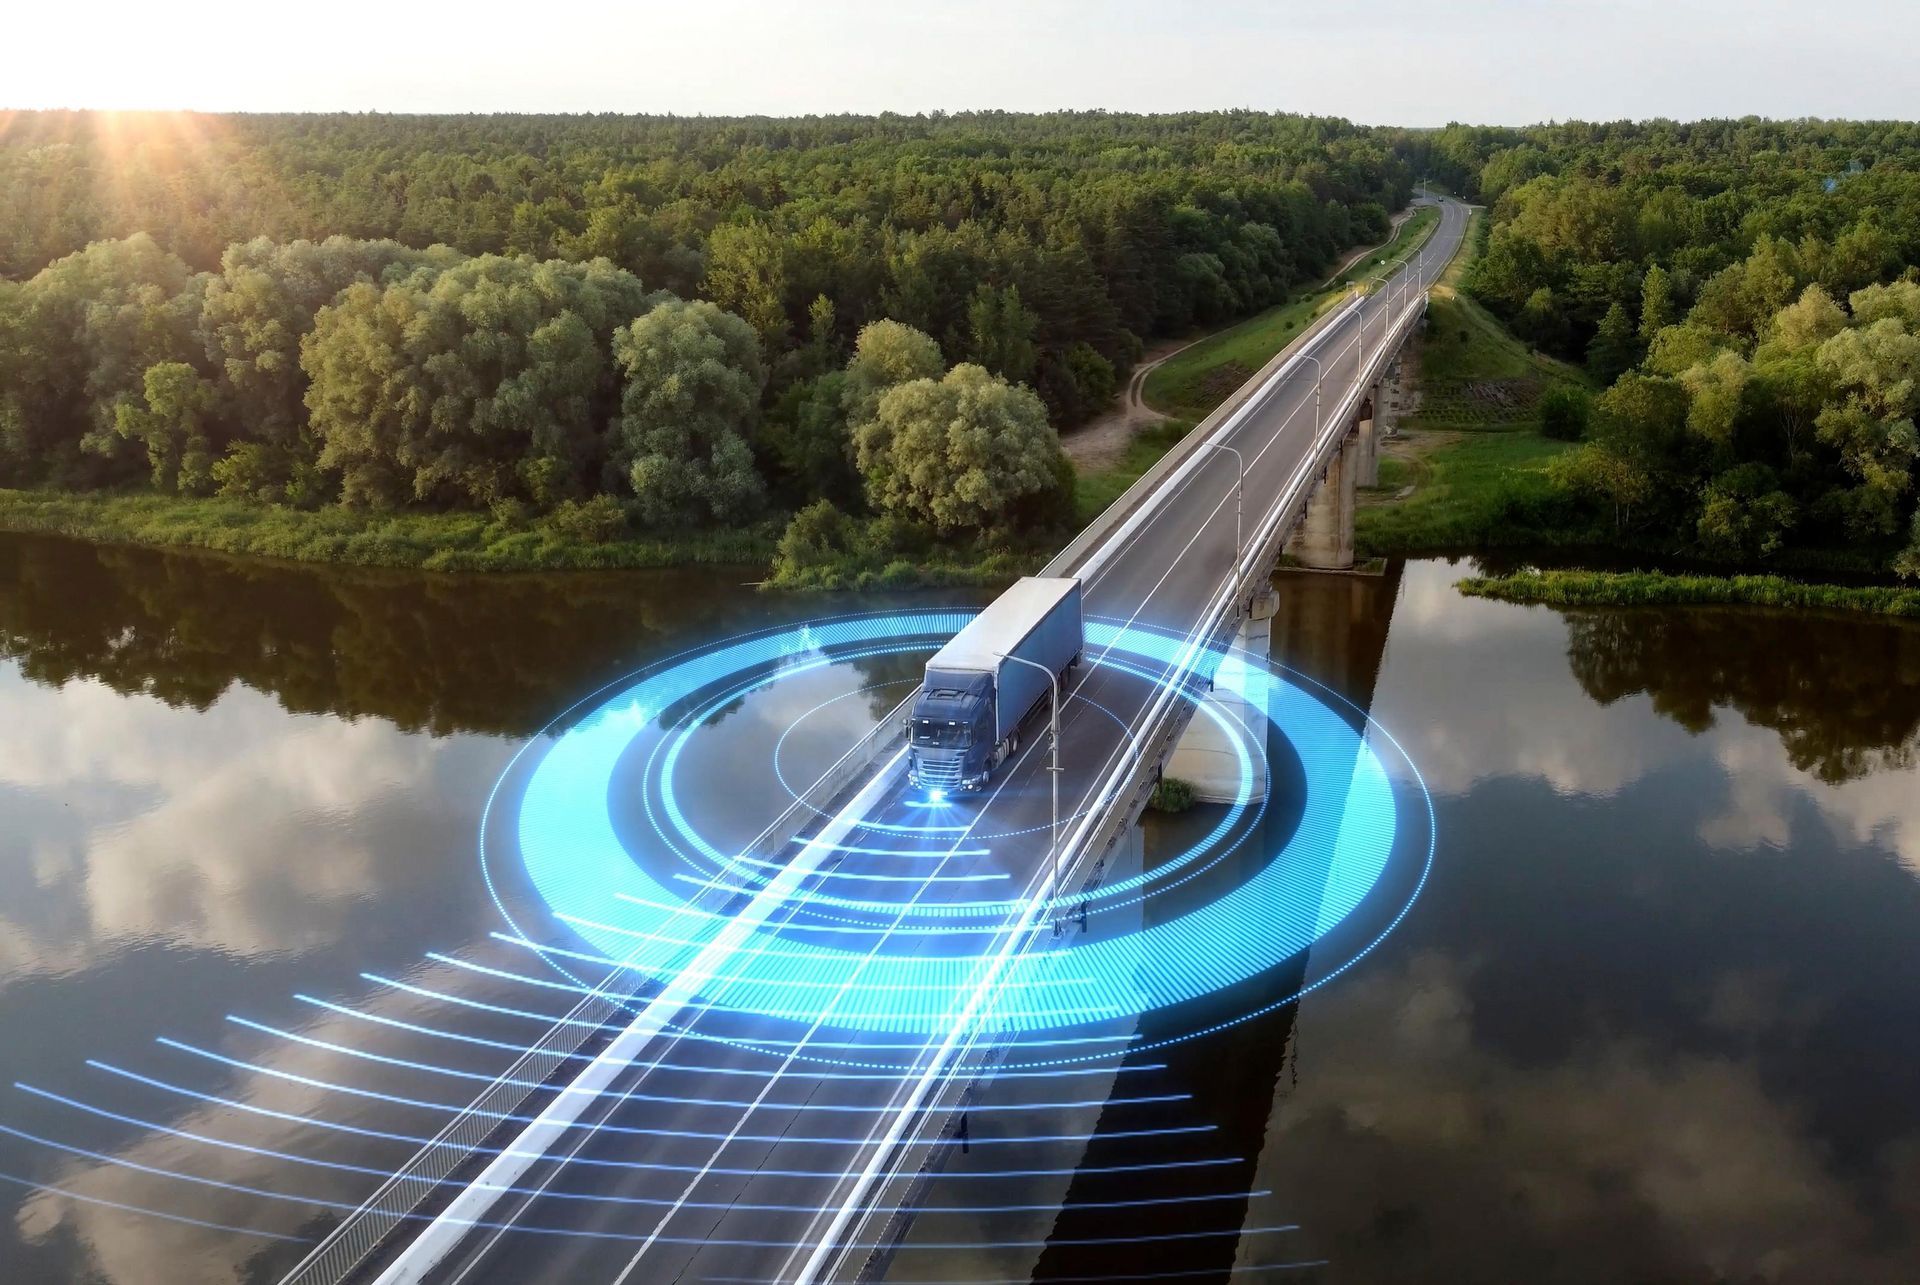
(981, 686)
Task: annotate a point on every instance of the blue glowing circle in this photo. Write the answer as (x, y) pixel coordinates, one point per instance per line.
(849, 974)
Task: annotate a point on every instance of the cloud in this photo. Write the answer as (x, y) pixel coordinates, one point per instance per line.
(1410, 1151)
(240, 829)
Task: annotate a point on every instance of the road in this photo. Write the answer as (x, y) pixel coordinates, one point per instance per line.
(720, 1154)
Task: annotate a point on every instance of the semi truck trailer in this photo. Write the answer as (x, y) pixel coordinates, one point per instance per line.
(982, 685)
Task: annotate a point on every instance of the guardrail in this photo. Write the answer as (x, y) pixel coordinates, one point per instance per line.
(352, 1244)
(1149, 482)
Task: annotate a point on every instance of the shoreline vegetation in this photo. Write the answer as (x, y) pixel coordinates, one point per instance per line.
(1472, 472)
(1574, 588)
(566, 540)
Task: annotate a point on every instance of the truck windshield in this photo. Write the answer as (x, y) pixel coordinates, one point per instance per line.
(941, 735)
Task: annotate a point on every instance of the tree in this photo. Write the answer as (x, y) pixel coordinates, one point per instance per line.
(690, 400)
(886, 353)
(1657, 307)
(1614, 348)
(1564, 413)
(83, 333)
(965, 453)
(808, 445)
(1541, 321)
(485, 381)
(1714, 391)
(1678, 349)
(747, 275)
(1600, 473)
(172, 424)
(262, 303)
(819, 535)
(1908, 562)
(1002, 331)
(1809, 321)
(1744, 513)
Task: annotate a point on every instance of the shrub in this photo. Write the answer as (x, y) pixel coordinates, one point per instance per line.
(1171, 795)
(1565, 414)
(600, 520)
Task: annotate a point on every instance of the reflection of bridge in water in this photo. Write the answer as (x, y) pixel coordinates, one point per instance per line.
(685, 1130)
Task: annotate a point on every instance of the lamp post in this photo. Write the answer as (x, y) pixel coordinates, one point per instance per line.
(1319, 377)
(1386, 288)
(1239, 495)
(1053, 735)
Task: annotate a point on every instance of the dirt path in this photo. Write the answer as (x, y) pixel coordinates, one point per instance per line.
(1354, 256)
(1101, 442)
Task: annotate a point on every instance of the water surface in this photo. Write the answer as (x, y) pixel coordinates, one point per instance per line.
(1654, 1017)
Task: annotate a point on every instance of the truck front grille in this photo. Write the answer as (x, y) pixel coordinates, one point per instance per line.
(942, 774)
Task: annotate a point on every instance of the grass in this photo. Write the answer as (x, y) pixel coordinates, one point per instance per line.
(1192, 382)
(430, 541)
(1093, 492)
(1482, 490)
(1472, 451)
(1652, 588)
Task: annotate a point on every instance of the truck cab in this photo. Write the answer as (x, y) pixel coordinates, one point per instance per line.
(978, 688)
(951, 732)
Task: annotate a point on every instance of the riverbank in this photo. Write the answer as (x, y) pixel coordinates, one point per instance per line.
(1572, 588)
(576, 538)
(1469, 471)
(1467, 468)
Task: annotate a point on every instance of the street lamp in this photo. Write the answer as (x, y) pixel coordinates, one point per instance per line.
(1053, 735)
(1386, 317)
(1239, 493)
(1319, 377)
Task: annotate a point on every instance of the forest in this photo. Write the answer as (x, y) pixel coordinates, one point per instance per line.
(635, 323)
(1748, 294)
(609, 325)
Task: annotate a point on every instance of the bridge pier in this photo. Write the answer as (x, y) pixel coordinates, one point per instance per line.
(1367, 430)
(1324, 539)
(1205, 756)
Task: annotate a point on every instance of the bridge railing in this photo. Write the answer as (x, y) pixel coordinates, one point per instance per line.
(1133, 781)
(1252, 393)
(1123, 795)
(352, 1244)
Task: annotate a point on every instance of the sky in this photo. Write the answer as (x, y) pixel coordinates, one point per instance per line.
(1372, 61)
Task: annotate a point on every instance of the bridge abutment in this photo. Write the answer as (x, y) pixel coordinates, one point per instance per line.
(1206, 757)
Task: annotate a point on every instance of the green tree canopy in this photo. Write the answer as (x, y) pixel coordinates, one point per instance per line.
(691, 398)
(964, 453)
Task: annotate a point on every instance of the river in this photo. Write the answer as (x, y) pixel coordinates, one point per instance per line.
(1652, 1017)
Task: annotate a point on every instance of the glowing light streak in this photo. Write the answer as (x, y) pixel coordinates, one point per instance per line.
(1333, 859)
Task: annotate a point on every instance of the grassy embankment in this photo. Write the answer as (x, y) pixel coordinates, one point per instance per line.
(1652, 588)
(1191, 383)
(1470, 473)
(430, 541)
(1469, 469)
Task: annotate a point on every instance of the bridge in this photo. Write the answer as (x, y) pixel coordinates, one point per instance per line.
(794, 1144)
